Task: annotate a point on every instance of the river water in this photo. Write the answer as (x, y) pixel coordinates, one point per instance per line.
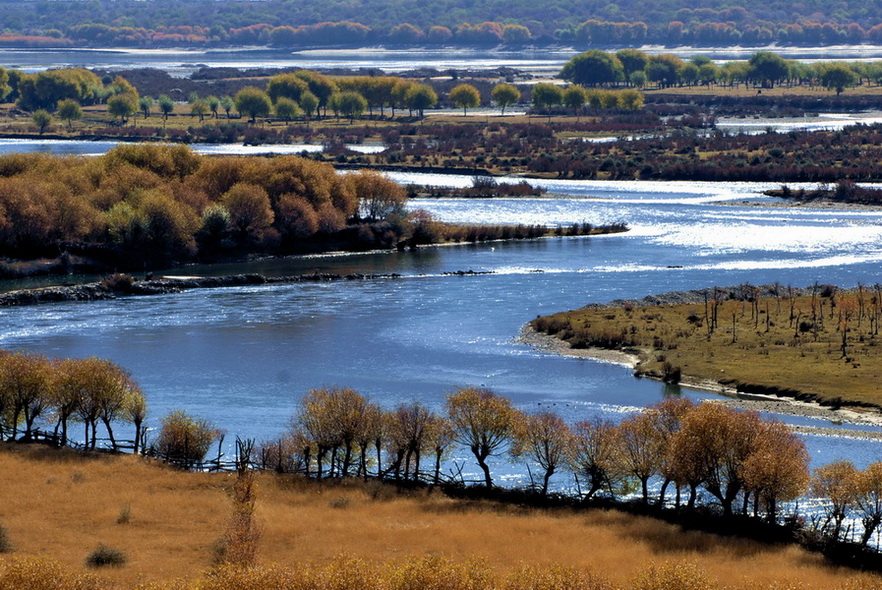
(242, 357)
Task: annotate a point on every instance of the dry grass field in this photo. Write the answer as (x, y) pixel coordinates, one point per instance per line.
(786, 343)
(59, 506)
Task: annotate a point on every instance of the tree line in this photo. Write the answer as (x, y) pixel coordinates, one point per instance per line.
(705, 453)
(159, 203)
(584, 22)
(632, 67)
(35, 389)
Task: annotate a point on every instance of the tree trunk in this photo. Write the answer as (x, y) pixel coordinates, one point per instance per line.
(110, 433)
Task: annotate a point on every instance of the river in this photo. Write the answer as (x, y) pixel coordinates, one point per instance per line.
(539, 62)
(242, 357)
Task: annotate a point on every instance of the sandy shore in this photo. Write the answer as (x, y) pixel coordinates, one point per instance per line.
(753, 402)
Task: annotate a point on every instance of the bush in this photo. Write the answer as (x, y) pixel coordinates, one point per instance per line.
(5, 542)
(118, 282)
(185, 440)
(105, 556)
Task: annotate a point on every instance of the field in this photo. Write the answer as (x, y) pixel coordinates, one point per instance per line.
(59, 506)
(823, 346)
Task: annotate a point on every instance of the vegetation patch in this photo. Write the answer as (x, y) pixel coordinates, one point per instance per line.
(819, 343)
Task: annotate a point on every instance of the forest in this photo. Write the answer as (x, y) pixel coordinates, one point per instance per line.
(583, 23)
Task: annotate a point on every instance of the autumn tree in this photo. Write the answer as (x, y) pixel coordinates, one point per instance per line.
(545, 95)
(465, 96)
(544, 438)
(712, 445)
(287, 109)
(594, 455)
(42, 119)
(249, 208)
(837, 485)
(777, 469)
(122, 106)
(505, 95)
(184, 439)
(378, 197)
(482, 421)
(25, 382)
(420, 97)
(309, 103)
(351, 104)
(439, 438)
(253, 102)
(70, 111)
(575, 97)
(640, 449)
(868, 499)
(286, 86)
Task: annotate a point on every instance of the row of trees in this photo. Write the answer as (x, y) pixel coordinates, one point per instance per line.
(737, 458)
(701, 26)
(34, 387)
(636, 68)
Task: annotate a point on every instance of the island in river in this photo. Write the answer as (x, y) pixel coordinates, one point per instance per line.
(812, 344)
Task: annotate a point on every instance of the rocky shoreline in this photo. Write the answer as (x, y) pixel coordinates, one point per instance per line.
(104, 290)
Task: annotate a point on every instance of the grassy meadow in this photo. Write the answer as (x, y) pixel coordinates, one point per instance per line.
(59, 506)
(824, 345)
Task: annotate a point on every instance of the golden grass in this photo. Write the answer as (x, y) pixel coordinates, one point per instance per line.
(59, 506)
(773, 353)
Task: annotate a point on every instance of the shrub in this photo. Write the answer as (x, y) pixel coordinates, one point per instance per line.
(5, 542)
(118, 282)
(105, 556)
(185, 440)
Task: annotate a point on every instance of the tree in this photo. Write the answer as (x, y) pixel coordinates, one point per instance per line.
(253, 102)
(838, 77)
(185, 440)
(351, 104)
(287, 109)
(249, 208)
(465, 96)
(544, 438)
(25, 382)
(592, 68)
(641, 450)
(70, 111)
(664, 69)
(378, 197)
(227, 104)
(711, 447)
(145, 103)
(868, 500)
(286, 85)
(166, 106)
(482, 421)
(777, 470)
(122, 105)
(420, 97)
(213, 103)
(199, 108)
(593, 455)
(767, 68)
(408, 428)
(837, 485)
(632, 60)
(575, 97)
(309, 103)
(504, 95)
(546, 95)
(41, 119)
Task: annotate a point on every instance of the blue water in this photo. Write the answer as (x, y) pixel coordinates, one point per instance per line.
(242, 357)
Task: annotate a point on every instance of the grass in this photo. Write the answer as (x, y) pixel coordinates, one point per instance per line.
(790, 344)
(180, 515)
